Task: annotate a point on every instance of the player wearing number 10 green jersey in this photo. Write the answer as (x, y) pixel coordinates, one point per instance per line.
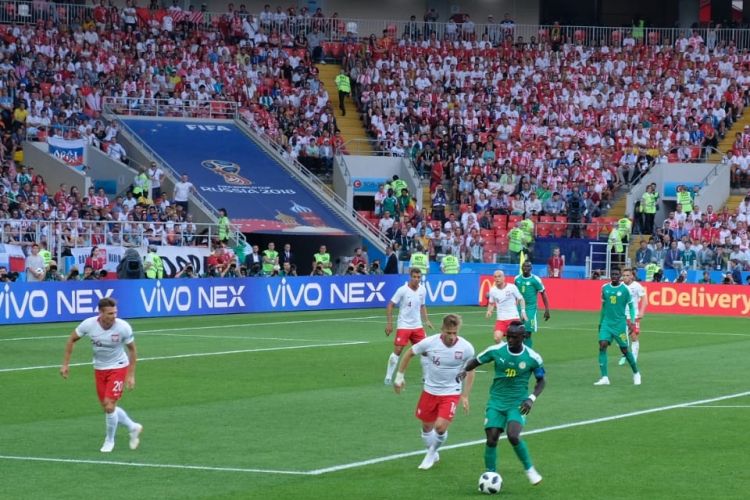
(530, 286)
(613, 325)
(510, 401)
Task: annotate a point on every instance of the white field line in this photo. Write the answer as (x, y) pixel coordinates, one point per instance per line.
(398, 456)
(215, 327)
(720, 406)
(388, 458)
(196, 355)
(152, 466)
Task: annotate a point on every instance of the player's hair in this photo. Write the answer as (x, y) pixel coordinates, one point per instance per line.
(452, 321)
(107, 302)
(628, 269)
(516, 327)
(413, 270)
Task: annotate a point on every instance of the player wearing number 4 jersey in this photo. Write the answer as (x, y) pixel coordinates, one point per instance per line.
(613, 325)
(508, 301)
(445, 354)
(510, 401)
(410, 299)
(530, 286)
(114, 369)
(640, 301)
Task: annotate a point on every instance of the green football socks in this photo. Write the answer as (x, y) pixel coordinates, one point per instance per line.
(603, 362)
(490, 458)
(523, 455)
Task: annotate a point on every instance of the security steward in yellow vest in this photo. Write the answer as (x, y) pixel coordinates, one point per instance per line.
(153, 264)
(450, 264)
(323, 259)
(685, 198)
(420, 260)
(344, 86)
(615, 242)
(651, 269)
(516, 243)
(624, 226)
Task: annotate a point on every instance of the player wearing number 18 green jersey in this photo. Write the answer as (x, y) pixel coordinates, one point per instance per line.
(530, 286)
(613, 325)
(510, 401)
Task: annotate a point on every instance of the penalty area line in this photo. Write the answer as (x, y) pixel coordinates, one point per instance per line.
(196, 355)
(570, 425)
(208, 468)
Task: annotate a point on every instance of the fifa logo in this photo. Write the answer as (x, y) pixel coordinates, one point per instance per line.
(227, 169)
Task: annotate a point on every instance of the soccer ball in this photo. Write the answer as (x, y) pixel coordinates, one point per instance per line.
(490, 483)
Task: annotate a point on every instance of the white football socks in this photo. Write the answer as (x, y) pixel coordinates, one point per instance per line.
(429, 438)
(635, 347)
(111, 421)
(123, 419)
(392, 364)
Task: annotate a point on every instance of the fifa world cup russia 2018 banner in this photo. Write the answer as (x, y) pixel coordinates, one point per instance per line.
(69, 151)
(671, 298)
(230, 171)
(73, 301)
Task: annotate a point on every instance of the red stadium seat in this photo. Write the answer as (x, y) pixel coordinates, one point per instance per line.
(500, 221)
(592, 231)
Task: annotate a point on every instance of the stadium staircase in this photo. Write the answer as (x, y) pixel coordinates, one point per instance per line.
(351, 126)
(726, 143)
(733, 202)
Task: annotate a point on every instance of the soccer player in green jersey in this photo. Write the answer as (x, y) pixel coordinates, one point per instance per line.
(530, 286)
(613, 325)
(510, 401)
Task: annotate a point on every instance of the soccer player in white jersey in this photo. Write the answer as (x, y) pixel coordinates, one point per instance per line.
(446, 355)
(114, 369)
(412, 312)
(640, 301)
(508, 300)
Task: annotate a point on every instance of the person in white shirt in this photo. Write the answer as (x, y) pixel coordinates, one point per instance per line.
(446, 355)
(508, 300)
(114, 369)
(182, 191)
(155, 175)
(116, 151)
(412, 313)
(640, 301)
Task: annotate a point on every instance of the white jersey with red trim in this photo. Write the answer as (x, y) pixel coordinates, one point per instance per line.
(505, 300)
(443, 364)
(109, 350)
(636, 293)
(409, 303)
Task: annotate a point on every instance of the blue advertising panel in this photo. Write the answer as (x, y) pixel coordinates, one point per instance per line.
(74, 301)
(229, 170)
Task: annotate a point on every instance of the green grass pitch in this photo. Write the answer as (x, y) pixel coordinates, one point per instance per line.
(292, 405)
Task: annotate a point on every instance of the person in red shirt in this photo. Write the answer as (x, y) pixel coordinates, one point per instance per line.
(555, 264)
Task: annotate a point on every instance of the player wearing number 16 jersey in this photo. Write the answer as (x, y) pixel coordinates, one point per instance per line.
(445, 355)
(114, 369)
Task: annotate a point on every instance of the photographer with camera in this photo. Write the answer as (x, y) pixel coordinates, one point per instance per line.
(73, 275)
(7, 277)
(186, 272)
(52, 273)
(375, 268)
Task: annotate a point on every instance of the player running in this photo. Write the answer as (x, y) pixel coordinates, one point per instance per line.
(510, 401)
(640, 301)
(530, 286)
(113, 368)
(446, 354)
(412, 312)
(613, 325)
(509, 303)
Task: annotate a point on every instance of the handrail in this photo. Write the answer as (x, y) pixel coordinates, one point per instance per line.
(152, 155)
(126, 106)
(327, 196)
(336, 29)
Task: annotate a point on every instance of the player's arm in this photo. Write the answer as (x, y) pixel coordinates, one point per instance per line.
(631, 310)
(389, 318)
(399, 382)
(541, 382)
(132, 358)
(468, 368)
(468, 384)
(642, 304)
(545, 299)
(522, 307)
(426, 317)
(68, 352)
(601, 312)
(490, 307)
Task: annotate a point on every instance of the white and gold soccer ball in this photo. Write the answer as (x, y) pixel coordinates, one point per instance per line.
(490, 483)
